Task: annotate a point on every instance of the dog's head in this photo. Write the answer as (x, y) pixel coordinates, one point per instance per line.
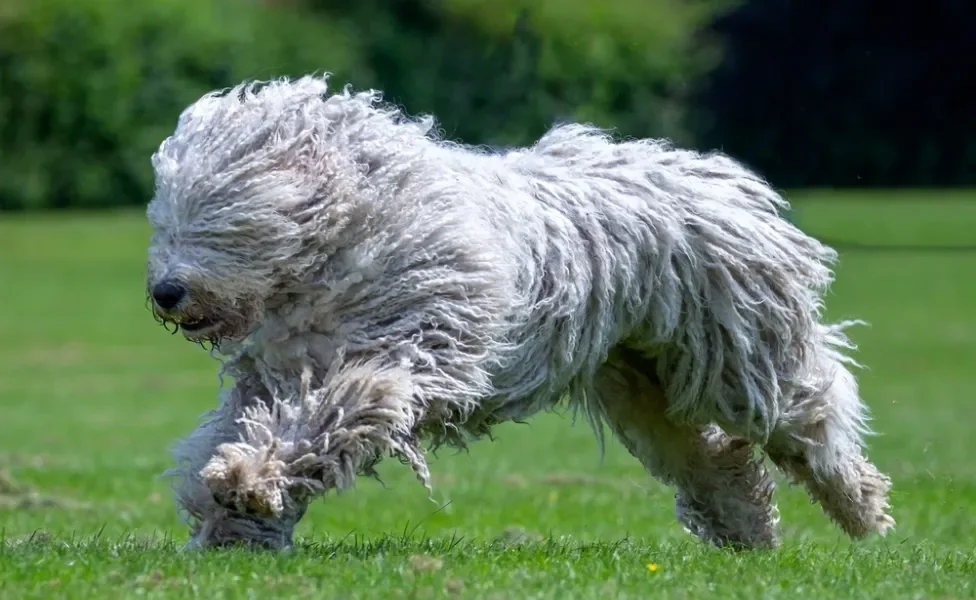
(256, 188)
(249, 188)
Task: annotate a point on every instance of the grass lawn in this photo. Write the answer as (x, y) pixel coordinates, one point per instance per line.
(92, 392)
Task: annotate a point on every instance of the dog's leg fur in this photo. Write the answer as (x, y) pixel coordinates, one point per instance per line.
(723, 491)
(818, 443)
(251, 483)
(217, 516)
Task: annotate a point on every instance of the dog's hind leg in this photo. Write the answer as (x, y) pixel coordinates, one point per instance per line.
(724, 492)
(818, 442)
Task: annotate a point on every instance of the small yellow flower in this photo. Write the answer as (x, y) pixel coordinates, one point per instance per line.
(651, 567)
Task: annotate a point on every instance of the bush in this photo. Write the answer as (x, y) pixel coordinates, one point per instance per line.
(88, 88)
(501, 72)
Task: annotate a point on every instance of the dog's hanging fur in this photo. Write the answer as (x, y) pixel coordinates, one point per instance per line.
(372, 286)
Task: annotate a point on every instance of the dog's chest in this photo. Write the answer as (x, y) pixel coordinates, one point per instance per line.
(286, 343)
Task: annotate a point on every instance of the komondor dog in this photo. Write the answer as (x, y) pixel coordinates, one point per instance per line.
(374, 291)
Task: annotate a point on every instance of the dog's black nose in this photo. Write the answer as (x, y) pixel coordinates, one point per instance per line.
(168, 294)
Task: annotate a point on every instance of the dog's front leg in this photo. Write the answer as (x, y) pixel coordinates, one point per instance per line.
(258, 462)
(216, 515)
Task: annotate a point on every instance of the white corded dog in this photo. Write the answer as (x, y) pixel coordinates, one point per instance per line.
(372, 289)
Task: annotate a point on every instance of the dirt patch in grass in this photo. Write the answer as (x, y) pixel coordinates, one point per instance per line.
(18, 496)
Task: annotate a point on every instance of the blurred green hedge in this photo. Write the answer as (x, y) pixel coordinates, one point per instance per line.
(88, 88)
(500, 72)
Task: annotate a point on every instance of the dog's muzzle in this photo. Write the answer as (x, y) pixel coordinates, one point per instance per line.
(170, 304)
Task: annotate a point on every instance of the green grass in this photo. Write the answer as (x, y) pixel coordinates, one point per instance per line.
(92, 393)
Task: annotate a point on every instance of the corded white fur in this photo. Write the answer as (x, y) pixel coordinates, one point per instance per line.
(375, 286)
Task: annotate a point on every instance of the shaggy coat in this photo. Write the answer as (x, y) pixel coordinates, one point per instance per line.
(371, 289)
